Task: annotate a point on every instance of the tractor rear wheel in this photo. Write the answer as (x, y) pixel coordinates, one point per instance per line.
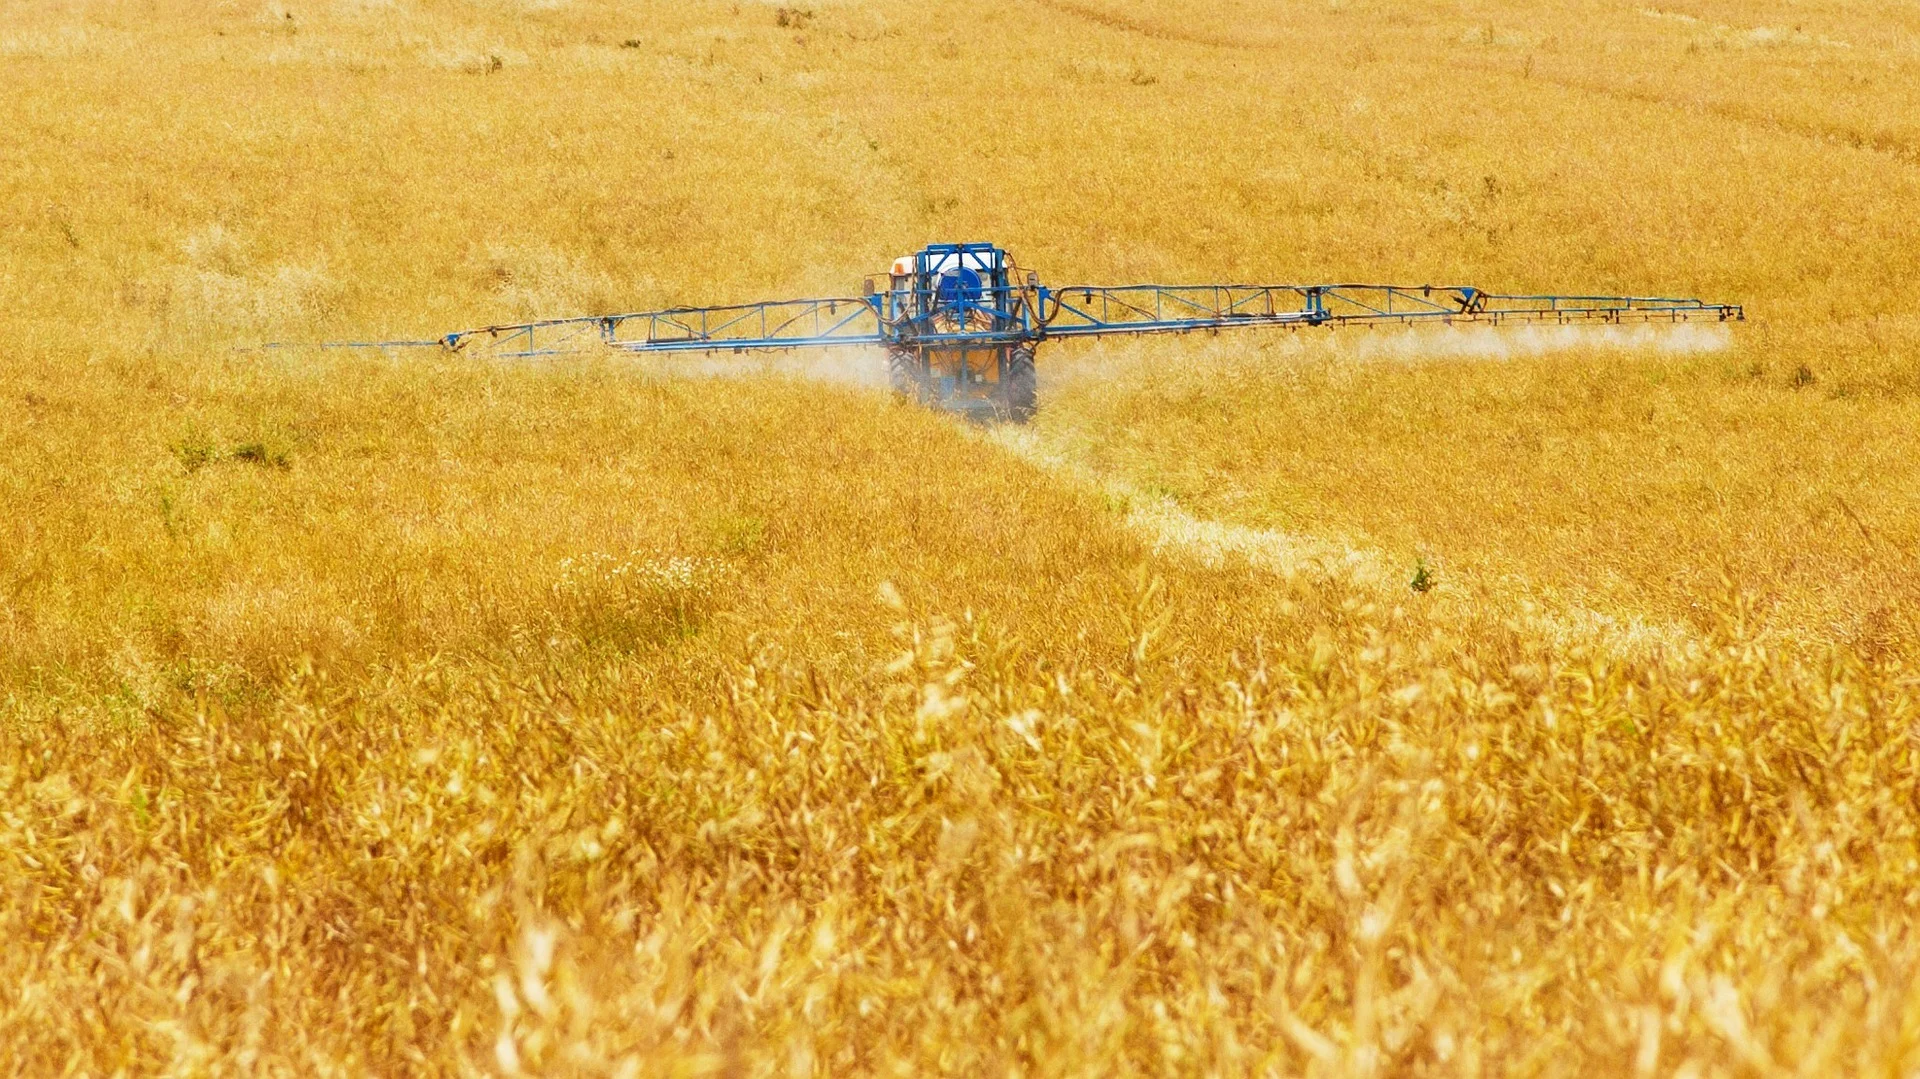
(904, 374)
(1022, 385)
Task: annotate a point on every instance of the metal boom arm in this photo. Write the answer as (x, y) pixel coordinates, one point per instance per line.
(1095, 310)
(960, 322)
(1074, 311)
(774, 324)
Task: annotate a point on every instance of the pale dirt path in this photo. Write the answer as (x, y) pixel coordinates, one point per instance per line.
(1174, 532)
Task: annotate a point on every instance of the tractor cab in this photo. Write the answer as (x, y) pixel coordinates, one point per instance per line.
(962, 326)
(963, 287)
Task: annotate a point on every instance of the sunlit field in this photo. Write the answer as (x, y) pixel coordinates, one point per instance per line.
(1291, 703)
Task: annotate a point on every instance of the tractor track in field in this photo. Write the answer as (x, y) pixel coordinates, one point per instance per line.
(1173, 531)
(1113, 21)
(1897, 149)
(1834, 135)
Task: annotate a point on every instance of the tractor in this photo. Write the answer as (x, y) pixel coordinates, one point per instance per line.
(960, 323)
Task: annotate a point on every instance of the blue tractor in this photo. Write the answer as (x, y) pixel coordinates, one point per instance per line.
(960, 322)
(963, 330)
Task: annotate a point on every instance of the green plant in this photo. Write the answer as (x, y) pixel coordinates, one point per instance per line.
(263, 454)
(1423, 579)
(194, 452)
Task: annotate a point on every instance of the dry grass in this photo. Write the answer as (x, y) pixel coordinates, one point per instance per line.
(381, 715)
(1572, 476)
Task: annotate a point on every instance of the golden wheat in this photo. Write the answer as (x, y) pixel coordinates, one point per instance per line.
(367, 713)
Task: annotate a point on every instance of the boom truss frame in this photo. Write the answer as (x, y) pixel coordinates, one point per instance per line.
(971, 296)
(1035, 313)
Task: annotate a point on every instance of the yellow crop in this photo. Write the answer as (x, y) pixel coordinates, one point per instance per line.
(395, 714)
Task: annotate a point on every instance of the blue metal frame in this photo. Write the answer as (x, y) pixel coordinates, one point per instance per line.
(775, 324)
(972, 296)
(1094, 310)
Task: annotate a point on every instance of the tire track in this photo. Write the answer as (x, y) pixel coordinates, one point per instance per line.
(1124, 24)
(1829, 134)
(1898, 149)
(1172, 531)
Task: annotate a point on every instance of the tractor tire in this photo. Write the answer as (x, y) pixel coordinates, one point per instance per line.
(904, 374)
(1022, 385)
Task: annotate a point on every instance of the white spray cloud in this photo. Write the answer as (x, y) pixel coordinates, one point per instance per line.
(868, 367)
(1148, 357)
(1514, 342)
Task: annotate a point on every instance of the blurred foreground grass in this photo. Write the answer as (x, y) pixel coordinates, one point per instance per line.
(412, 715)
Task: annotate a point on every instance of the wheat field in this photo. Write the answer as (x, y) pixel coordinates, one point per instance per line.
(404, 713)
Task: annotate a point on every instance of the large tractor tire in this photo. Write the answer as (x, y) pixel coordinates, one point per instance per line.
(1022, 385)
(905, 375)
